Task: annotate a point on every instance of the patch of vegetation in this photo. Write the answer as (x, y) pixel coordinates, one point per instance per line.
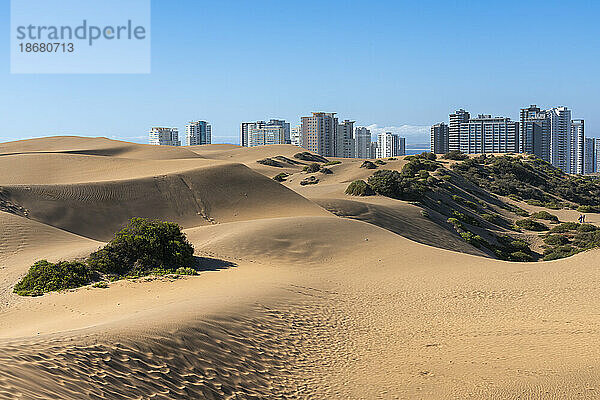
(334, 162)
(588, 209)
(186, 271)
(472, 239)
(307, 156)
(556, 240)
(368, 165)
(545, 215)
(359, 188)
(397, 185)
(141, 246)
(461, 200)
(380, 162)
(311, 180)
(326, 171)
(531, 225)
(270, 162)
(455, 155)
(281, 177)
(392, 159)
(469, 219)
(564, 227)
(314, 167)
(45, 277)
(101, 285)
(558, 252)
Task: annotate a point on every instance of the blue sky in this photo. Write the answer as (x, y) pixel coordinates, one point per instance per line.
(397, 65)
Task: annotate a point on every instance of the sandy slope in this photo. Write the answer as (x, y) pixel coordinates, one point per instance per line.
(297, 302)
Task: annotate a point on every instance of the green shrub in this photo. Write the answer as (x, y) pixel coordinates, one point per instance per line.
(545, 215)
(465, 218)
(559, 252)
(307, 156)
(587, 240)
(311, 180)
(101, 285)
(270, 162)
(587, 228)
(334, 162)
(556, 240)
(455, 155)
(535, 202)
(565, 227)
(280, 177)
(142, 246)
(493, 218)
(553, 205)
(588, 209)
(454, 222)
(326, 171)
(186, 271)
(396, 185)
(472, 239)
(531, 225)
(45, 277)
(359, 188)
(314, 167)
(520, 256)
(368, 165)
(380, 162)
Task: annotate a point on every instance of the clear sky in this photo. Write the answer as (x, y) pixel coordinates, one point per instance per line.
(399, 65)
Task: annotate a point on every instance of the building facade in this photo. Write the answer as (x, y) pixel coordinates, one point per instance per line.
(487, 134)
(590, 155)
(390, 145)
(264, 132)
(373, 150)
(296, 136)
(440, 139)
(577, 147)
(319, 133)
(456, 119)
(344, 143)
(534, 132)
(161, 136)
(362, 141)
(597, 155)
(560, 138)
(198, 133)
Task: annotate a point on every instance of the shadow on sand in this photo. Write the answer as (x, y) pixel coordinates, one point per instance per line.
(202, 264)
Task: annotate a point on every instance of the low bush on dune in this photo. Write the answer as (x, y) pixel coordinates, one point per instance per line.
(556, 240)
(545, 215)
(307, 156)
(270, 162)
(380, 162)
(142, 246)
(359, 188)
(314, 167)
(335, 162)
(311, 180)
(531, 225)
(281, 177)
(397, 185)
(455, 155)
(45, 277)
(368, 165)
(326, 171)
(588, 209)
(564, 227)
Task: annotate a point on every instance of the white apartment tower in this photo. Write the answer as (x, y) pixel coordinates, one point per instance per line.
(362, 141)
(261, 133)
(161, 136)
(487, 134)
(296, 136)
(560, 138)
(390, 145)
(198, 132)
(577, 147)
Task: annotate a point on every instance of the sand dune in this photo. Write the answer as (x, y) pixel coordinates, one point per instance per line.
(297, 303)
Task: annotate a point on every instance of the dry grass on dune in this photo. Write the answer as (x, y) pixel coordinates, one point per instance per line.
(297, 303)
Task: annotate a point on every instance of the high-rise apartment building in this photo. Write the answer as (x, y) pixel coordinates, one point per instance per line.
(269, 134)
(487, 134)
(296, 136)
(161, 136)
(590, 160)
(319, 133)
(456, 119)
(390, 145)
(534, 132)
(597, 154)
(560, 138)
(198, 132)
(344, 143)
(373, 150)
(440, 138)
(362, 140)
(577, 147)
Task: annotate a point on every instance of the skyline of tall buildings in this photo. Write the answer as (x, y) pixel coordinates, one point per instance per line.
(552, 134)
(163, 136)
(390, 145)
(260, 133)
